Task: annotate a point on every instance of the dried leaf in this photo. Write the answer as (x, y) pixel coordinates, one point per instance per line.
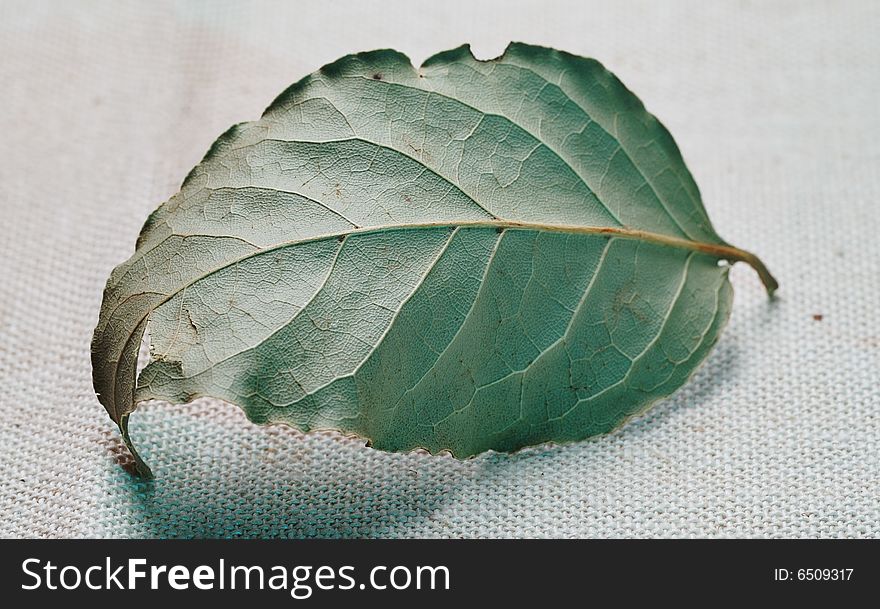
(466, 256)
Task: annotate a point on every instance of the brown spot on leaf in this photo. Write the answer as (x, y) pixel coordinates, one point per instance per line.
(818, 317)
(377, 76)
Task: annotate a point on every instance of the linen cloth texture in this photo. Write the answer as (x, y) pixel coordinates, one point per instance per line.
(107, 106)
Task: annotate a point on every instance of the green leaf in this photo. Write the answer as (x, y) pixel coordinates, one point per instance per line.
(466, 256)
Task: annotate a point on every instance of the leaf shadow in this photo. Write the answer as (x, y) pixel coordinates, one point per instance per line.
(247, 481)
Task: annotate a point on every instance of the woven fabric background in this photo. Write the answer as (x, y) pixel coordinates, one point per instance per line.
(104, 108)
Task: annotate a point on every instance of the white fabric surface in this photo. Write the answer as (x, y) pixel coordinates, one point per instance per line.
(106, 107)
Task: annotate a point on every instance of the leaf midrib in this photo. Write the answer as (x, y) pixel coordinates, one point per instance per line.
(723, 252)
(719, 251)
(712, 249)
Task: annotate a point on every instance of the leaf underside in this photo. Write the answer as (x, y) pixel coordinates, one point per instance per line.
(465, 256)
